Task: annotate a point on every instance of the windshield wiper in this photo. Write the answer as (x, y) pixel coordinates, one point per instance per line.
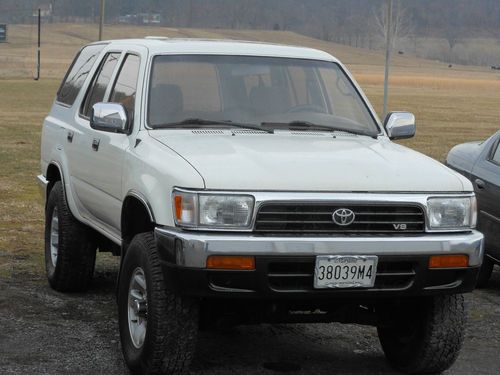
(301, 125)
(189, 122)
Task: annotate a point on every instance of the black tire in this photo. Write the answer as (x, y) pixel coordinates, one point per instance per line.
(172, 321)
(72, 269)
(485, 273)
(424, 335)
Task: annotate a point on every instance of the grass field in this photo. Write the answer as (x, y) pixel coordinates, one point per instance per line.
(451, 106)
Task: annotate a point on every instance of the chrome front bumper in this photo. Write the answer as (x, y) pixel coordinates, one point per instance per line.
(192, 249)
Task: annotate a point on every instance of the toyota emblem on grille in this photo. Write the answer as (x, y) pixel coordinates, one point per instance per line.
(343, 216)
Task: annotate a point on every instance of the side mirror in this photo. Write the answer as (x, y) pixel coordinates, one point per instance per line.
(109, 117)
(400, 125)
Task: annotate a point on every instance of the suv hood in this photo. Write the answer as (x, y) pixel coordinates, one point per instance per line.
(301, 161)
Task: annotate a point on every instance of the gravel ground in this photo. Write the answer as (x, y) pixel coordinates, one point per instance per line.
(45, 332)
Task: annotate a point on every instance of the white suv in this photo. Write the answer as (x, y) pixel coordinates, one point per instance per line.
(251, 182)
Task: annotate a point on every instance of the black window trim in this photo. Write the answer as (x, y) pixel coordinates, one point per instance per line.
(75, 59)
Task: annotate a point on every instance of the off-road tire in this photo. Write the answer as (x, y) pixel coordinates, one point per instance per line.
(485, 273)
(423, 335)
(76, 246)
(172, 320)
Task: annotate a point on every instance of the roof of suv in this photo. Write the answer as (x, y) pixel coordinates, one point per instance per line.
(161, 45)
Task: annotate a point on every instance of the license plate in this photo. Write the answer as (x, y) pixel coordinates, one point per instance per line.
(345, 271)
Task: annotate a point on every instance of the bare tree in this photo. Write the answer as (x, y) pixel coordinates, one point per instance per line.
(240, 13)
(401, 26)
(452, 37)
(452, 33)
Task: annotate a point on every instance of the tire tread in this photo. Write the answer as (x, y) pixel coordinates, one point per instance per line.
(173, 332)
(441, 340)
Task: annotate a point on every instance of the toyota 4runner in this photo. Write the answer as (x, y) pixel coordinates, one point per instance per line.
(246, 182)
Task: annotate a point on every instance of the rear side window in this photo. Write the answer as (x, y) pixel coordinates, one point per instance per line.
(100, 83)
(496, 154)
(126, 84)
(77, 74)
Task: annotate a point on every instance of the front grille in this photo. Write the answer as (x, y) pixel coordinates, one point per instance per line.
(318, 218)
(298, 275)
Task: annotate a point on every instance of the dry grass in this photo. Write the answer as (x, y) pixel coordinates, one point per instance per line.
(23, 105)
(451, 105)
(445, 116)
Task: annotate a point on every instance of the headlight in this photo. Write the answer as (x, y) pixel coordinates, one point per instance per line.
(225, 210)
(452, 213)
(212, 210)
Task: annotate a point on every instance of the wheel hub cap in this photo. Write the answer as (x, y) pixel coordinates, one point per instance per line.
(140, 308)
(137, 308)
(54, 236)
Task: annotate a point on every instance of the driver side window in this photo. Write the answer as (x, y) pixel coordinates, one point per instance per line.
(124, 90)
(97, 89)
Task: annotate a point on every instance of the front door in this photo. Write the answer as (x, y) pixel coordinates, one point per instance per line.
(99, 179)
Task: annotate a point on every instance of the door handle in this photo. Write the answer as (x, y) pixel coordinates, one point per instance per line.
(70, 135)
(480, 183)
(95, 144)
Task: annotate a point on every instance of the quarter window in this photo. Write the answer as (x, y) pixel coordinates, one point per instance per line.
(101, 82)
(496, 154)
(77, 74)
(125, 87)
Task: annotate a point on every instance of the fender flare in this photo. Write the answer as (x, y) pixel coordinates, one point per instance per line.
(138, 195)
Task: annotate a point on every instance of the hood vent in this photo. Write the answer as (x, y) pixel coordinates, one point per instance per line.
(322, 134)
(345, 134)
(208, 131)
(249, 131)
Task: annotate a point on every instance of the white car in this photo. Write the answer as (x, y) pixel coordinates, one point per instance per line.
(251, 182)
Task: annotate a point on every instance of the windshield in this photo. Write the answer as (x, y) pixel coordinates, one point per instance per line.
(254, 90)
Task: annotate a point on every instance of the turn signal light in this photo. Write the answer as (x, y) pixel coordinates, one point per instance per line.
(448, 261)
(223, 262)
(178, 207)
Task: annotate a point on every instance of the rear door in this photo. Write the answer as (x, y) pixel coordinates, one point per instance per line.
(66, 105)
(486, 180)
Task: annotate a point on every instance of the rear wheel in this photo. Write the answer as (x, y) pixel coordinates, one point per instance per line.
(69, 246)
(485, 273)
(423, 335)
(158, 328)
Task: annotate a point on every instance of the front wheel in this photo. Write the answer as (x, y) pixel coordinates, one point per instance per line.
(423, 335)
(158, 329)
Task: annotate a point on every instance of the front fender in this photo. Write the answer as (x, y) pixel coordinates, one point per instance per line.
(151, 171)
